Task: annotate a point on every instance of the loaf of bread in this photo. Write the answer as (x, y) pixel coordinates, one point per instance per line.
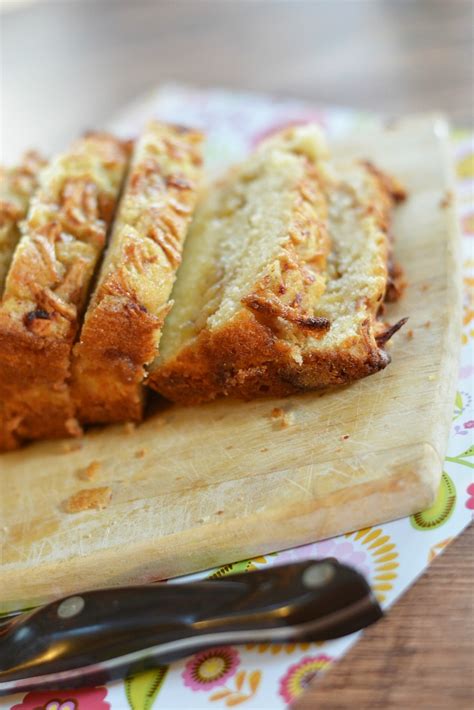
(47, 285)
(16, 187)
(284, 273)
(122, 325)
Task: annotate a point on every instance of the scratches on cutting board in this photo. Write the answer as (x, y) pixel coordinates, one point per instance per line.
(393, 420)
(298, 485)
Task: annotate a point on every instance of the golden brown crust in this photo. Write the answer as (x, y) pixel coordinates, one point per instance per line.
(25, 385)
(47, 285)
(111, 391)
(16, 187)
(396, 282)
(122, 326)
(88, 499)
(246, 360)
(395, 191)
(252, 355)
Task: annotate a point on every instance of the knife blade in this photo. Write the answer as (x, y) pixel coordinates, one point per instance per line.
(100, 635)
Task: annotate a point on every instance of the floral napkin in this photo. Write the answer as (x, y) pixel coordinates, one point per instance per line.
(391, 556)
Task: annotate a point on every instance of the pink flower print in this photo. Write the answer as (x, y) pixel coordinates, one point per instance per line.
(468, 224)
(300, 675)
(209, 668)
(469, 424)
(470, 500)
(298, 554)
(81, 699)
(465, 371)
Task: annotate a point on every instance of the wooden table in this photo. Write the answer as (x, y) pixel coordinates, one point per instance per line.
(421, 656)
(70, 65)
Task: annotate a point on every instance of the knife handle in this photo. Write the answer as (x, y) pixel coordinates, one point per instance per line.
(116, 630)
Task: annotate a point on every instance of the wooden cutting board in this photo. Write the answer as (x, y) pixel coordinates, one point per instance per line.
(199, 487)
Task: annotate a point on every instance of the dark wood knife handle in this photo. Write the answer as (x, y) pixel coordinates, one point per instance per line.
(110, 631)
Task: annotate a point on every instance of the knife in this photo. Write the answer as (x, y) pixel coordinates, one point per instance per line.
(101, 635)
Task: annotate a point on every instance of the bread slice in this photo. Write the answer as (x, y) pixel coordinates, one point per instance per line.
(253, 269)
(16, 187)
(122, 326)
(261, 308)
(47, 284)
(360, 206)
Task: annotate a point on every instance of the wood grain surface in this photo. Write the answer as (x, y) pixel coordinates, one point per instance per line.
(84, 60)
(228, 481)
(421, 656)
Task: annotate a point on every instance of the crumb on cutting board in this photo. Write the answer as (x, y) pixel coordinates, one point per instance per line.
(140, 453)
(129, 428)
(409, 334)
(69, 446)
(89, 472)
(427, 324)
(281, 418)
(446, 199)
(88, 499)
(72, 427)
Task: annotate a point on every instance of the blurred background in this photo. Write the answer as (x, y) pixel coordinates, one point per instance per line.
(68, 65)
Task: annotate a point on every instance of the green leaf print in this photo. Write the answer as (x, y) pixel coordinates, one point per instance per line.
(441, 510)
(141, 689)
(458, 405)
(242, 566)
(460, 458)
(234, 568)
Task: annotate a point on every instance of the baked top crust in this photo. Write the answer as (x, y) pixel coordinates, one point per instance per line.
(16, 187)
(122, 325)
(278, 344)
(47, 284)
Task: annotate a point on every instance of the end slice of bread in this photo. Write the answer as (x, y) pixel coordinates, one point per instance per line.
(16, 188)
(285, 313)
(47, 284)
(122, 325)
(253, 272)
